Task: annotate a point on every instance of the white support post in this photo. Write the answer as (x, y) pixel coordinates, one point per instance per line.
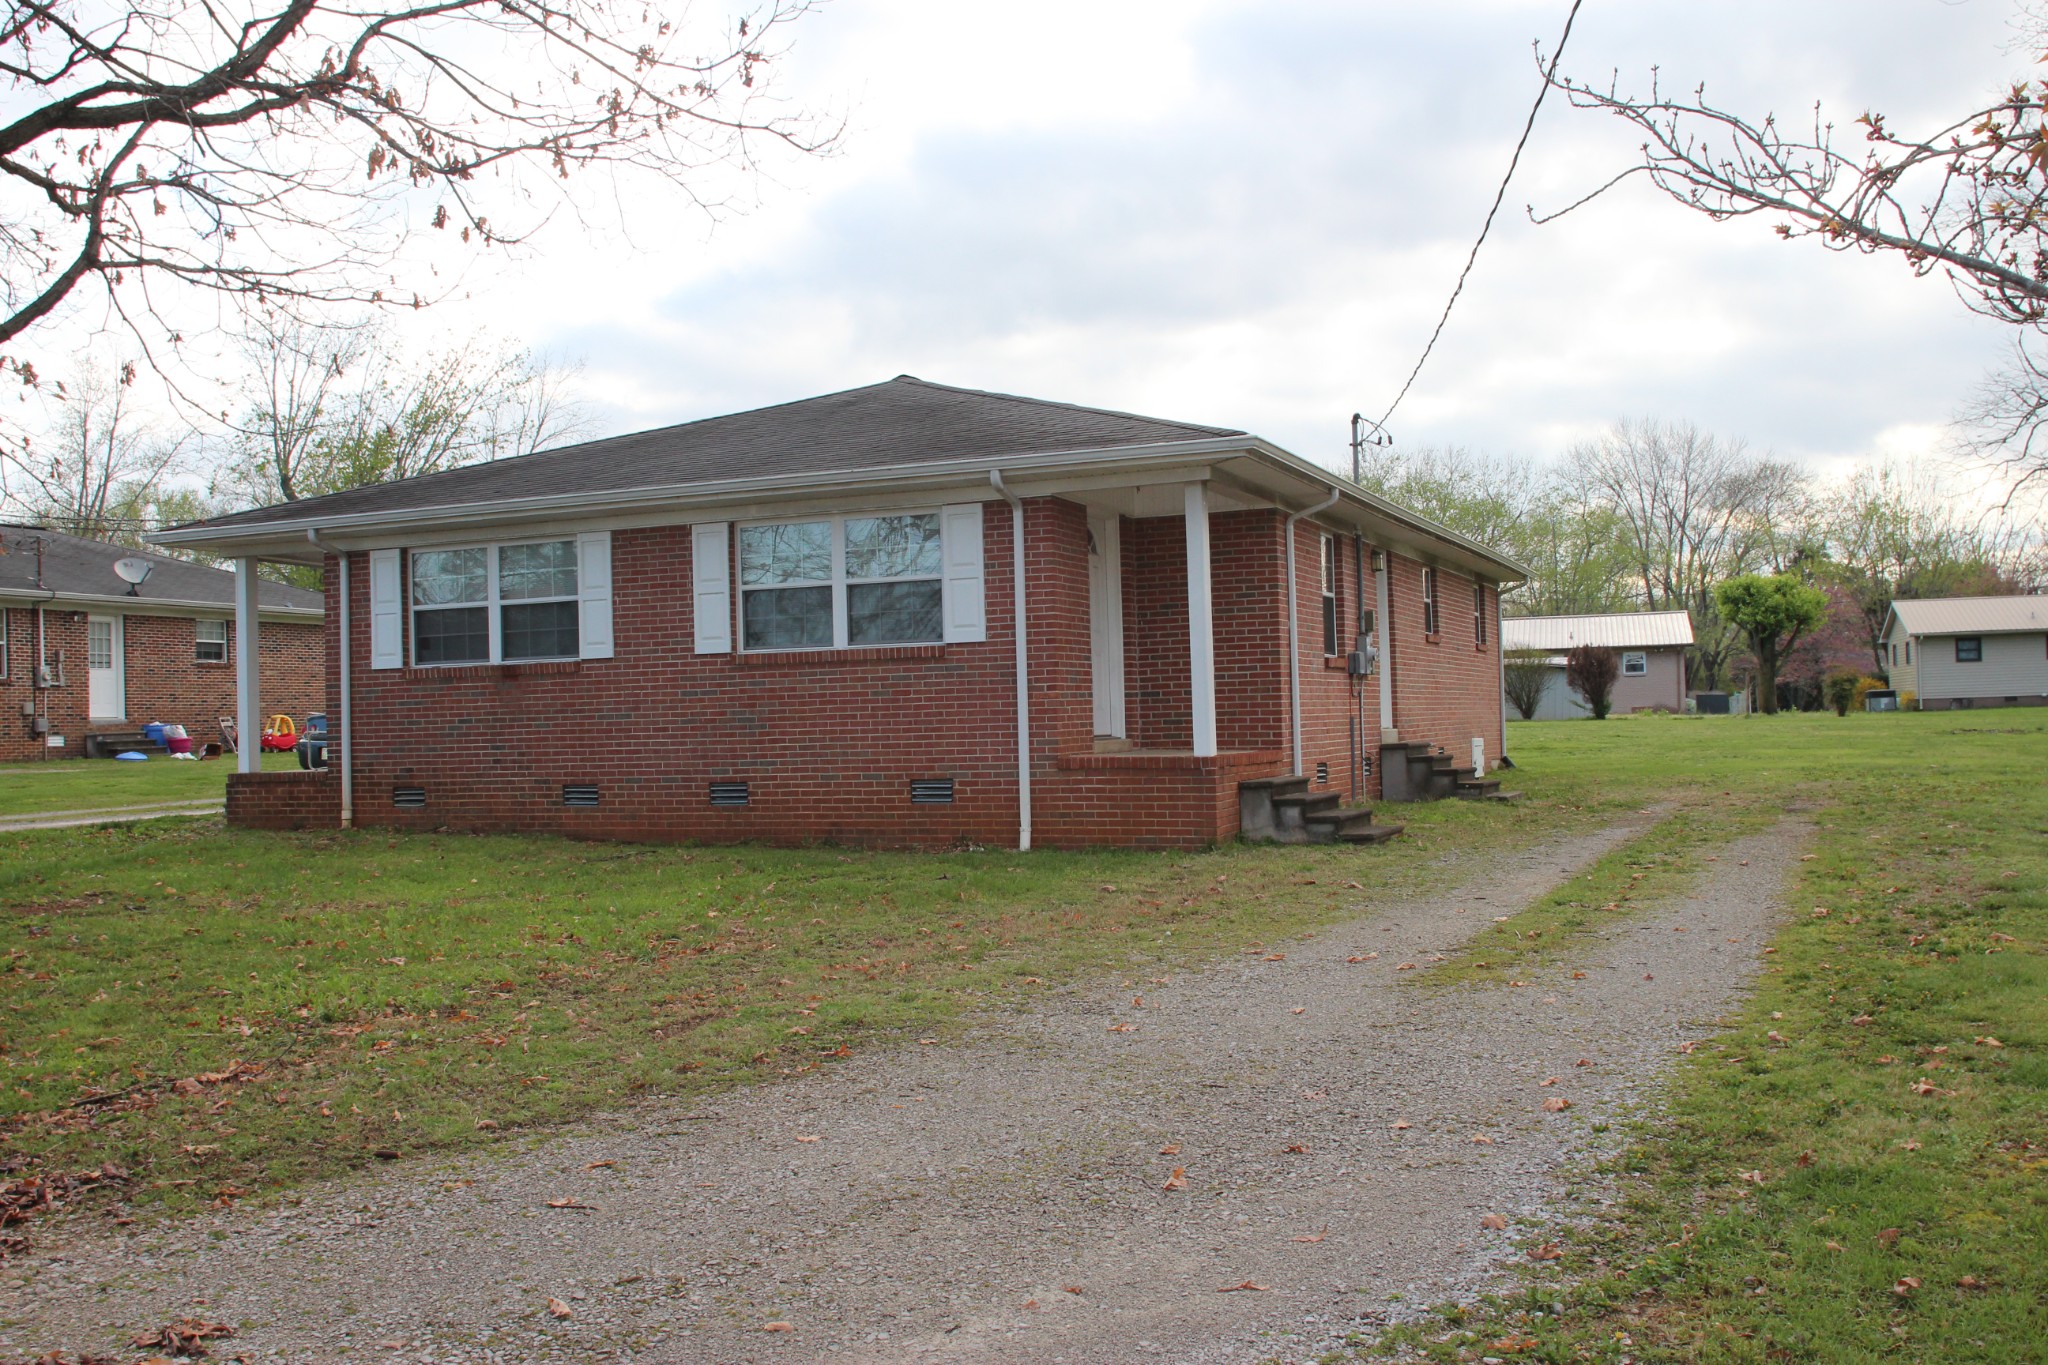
(248, 704)
(1201, 625)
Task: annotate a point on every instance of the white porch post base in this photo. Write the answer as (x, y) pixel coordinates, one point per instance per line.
(1201, 624)
(248, 702)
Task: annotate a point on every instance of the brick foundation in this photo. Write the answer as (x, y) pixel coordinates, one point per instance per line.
(284, 800)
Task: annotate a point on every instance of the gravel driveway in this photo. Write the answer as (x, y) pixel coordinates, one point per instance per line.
(1001, 1199)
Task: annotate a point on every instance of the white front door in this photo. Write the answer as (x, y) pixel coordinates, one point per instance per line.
(109, 693)
(1106, 620)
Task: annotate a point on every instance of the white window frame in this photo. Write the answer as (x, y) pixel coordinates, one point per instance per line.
(1430, 619)
(198, 640)
(6, 640)
(839, 582)
(493, 602)
(1479, 615)
(1635, 663)
(1332, 636)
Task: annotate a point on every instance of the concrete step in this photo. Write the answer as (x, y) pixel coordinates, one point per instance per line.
(1309, 804)
(1502, 796)
(1369, 834)
(1476, 788)
(1341, 818)
(1276, 786)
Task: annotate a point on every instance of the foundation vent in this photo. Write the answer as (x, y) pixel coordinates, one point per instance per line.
(936, 791)
(580, 794)
(1322, 773)
(409, 798)
(729, 794)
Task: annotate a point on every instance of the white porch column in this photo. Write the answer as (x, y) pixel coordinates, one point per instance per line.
(248, 704)
(1201, 625)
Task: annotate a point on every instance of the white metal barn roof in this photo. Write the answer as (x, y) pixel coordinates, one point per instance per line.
(1609, 630)
(1973, 615)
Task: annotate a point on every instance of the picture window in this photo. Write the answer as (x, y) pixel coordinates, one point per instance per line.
(495, 603)
(842, 581)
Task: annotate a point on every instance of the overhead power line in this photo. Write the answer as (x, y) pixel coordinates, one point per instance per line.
(1487, 227)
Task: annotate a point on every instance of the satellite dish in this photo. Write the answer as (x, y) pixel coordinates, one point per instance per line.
(132, 570)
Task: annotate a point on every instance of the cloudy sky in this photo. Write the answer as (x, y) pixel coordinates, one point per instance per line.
(1250, 215)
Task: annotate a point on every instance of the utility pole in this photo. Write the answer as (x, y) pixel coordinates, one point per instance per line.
(1360, 440)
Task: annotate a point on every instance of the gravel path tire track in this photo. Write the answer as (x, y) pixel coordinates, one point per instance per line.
(947, 1203)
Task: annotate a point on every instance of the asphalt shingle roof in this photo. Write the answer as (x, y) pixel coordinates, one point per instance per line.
(75, 566)
(904, 421)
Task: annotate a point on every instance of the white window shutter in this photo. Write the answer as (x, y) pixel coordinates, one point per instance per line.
(966, 610)
(594, 593)
(387, 611)
(711, 583)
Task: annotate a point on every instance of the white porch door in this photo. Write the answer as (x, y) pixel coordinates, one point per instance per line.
(108, 699)
(1106, 621)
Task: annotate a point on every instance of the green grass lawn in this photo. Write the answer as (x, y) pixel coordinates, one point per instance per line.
(228, 1013)
(82, 784)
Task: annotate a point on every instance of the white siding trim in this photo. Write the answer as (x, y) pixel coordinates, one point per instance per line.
(966, 608)
(594, 594)
(711, 586)
(387, 611)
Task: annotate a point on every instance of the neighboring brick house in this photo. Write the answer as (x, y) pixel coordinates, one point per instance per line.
(81, 654)
(799, 624)
(1651, 647)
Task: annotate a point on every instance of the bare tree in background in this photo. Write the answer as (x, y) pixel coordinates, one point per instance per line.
(334, 408)
(1695, 508)
(290, 154)
(100, 472)
(1967, 200)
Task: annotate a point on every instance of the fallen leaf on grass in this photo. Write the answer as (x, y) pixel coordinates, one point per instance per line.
(1833, 1246)
(1405, 967)
(1311, 1236)
(1972, 1282)
(1482, 1139)
(1295, 1149)
(1276, 957)
(1170, 1149)
(1493, 1222)
(1248, 1284)
(1364, 957)
(777, 1327)
(1556, 1104)
(1578, 976)
(1923, 1086)
(1400, 1124)
(1989, 1041)
(1122, 1028)
(1860, 1020)
(1178, 1180)
(1804, 1159)
(1911, 1144)
(1687, 1047)
(1583, 1061)
(1299, 1009)
(1888, 1238)
(1905, 1285)
(1547, 1081)
(1031, 1303)
(1549, 1251)
(811, 1138)
(1357, 886)
(1514, 1345)
(599, 1165)
(558, 1309)
(1753, 1177)
(482, 1125)
(1071, 1288)
(566, 1204)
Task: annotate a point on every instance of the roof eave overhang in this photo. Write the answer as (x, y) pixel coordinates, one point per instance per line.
(139, 606)
(287, 539)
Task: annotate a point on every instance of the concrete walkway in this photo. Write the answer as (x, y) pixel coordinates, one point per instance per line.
(113, 815)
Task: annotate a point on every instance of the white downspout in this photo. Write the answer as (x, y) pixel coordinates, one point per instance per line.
(1294, 628)
(995, 476)
(1383, 627)
(346, 744)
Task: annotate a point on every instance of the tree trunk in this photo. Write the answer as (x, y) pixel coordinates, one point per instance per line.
(1767, 681)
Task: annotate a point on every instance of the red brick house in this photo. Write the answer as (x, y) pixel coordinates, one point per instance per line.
(83, 652)
(802, 623)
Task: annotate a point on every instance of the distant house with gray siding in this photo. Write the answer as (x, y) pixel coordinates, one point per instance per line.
(1952, 653)
(1651, 644)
